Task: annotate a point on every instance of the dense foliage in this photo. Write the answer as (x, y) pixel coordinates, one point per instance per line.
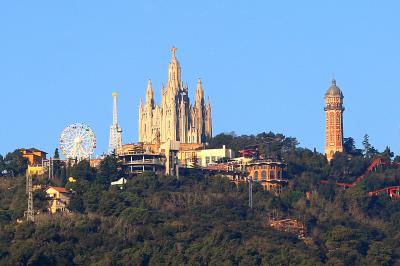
(13, 164)
(203, 220)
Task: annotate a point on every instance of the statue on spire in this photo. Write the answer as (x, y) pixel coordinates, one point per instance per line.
(175, 118)
(173, 50)
(174, 73)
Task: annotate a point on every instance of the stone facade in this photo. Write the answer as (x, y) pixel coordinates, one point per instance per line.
(334, 121)
(268, 173)
(175, 118)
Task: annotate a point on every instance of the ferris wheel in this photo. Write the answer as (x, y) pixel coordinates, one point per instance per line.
(77, 141)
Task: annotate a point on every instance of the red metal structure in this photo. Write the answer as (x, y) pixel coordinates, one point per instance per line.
(252, 152)
(392, 191)
(376, 162)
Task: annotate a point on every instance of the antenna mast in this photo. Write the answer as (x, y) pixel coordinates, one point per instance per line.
(115, 144)
(30, 216)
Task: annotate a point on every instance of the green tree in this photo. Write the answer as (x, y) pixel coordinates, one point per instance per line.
(76, 204)
(16, 163)
(109, 170)
(40, 200)
(56, 164)
(369, 151)
(387, 154)
(83, 170)
(379, 254)
(350, 147)
(2, 164)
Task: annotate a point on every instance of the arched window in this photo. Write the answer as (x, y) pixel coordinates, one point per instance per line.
(255, 175)
(264, 174)
(272, 174)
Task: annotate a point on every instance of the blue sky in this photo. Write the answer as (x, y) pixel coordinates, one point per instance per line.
(265, 65)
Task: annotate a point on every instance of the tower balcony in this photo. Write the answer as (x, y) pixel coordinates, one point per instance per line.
(334, 107)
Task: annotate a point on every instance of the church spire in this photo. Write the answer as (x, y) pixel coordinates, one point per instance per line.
(177, 117)
(199, 93)
(174, 71)
(208, 102)
(149, 94)
(199, 86)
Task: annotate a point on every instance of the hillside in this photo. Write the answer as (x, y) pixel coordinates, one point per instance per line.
(203, 220)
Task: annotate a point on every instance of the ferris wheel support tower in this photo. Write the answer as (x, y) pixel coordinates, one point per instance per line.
(115, 144)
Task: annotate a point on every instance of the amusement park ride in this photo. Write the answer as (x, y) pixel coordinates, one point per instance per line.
(77, 141)
(392, 191)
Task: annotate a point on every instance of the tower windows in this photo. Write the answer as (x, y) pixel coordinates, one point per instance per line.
(334, 121)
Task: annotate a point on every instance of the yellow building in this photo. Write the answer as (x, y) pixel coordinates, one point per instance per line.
(35, 161)
(95, 162)
(34, 156)
(37, 170)
(334, 121)
(58, 198)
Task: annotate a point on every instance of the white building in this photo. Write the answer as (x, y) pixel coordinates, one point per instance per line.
(204, 157)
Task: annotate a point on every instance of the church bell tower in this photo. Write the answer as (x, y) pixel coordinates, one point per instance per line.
(334, 121)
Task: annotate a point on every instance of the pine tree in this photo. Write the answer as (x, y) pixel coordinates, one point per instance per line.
(369, 151)
(56, 164)
(387, 154)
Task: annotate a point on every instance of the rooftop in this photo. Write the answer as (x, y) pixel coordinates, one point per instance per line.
(334, 91)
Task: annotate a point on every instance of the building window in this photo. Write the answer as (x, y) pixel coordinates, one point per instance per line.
(264, 174)
(256, 175)
(272, 174)
(207, 160)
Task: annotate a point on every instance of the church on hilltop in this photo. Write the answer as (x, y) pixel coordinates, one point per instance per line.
(176, 118)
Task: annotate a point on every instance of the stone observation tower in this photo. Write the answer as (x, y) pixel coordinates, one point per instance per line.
(175, 118)
(334, 120)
